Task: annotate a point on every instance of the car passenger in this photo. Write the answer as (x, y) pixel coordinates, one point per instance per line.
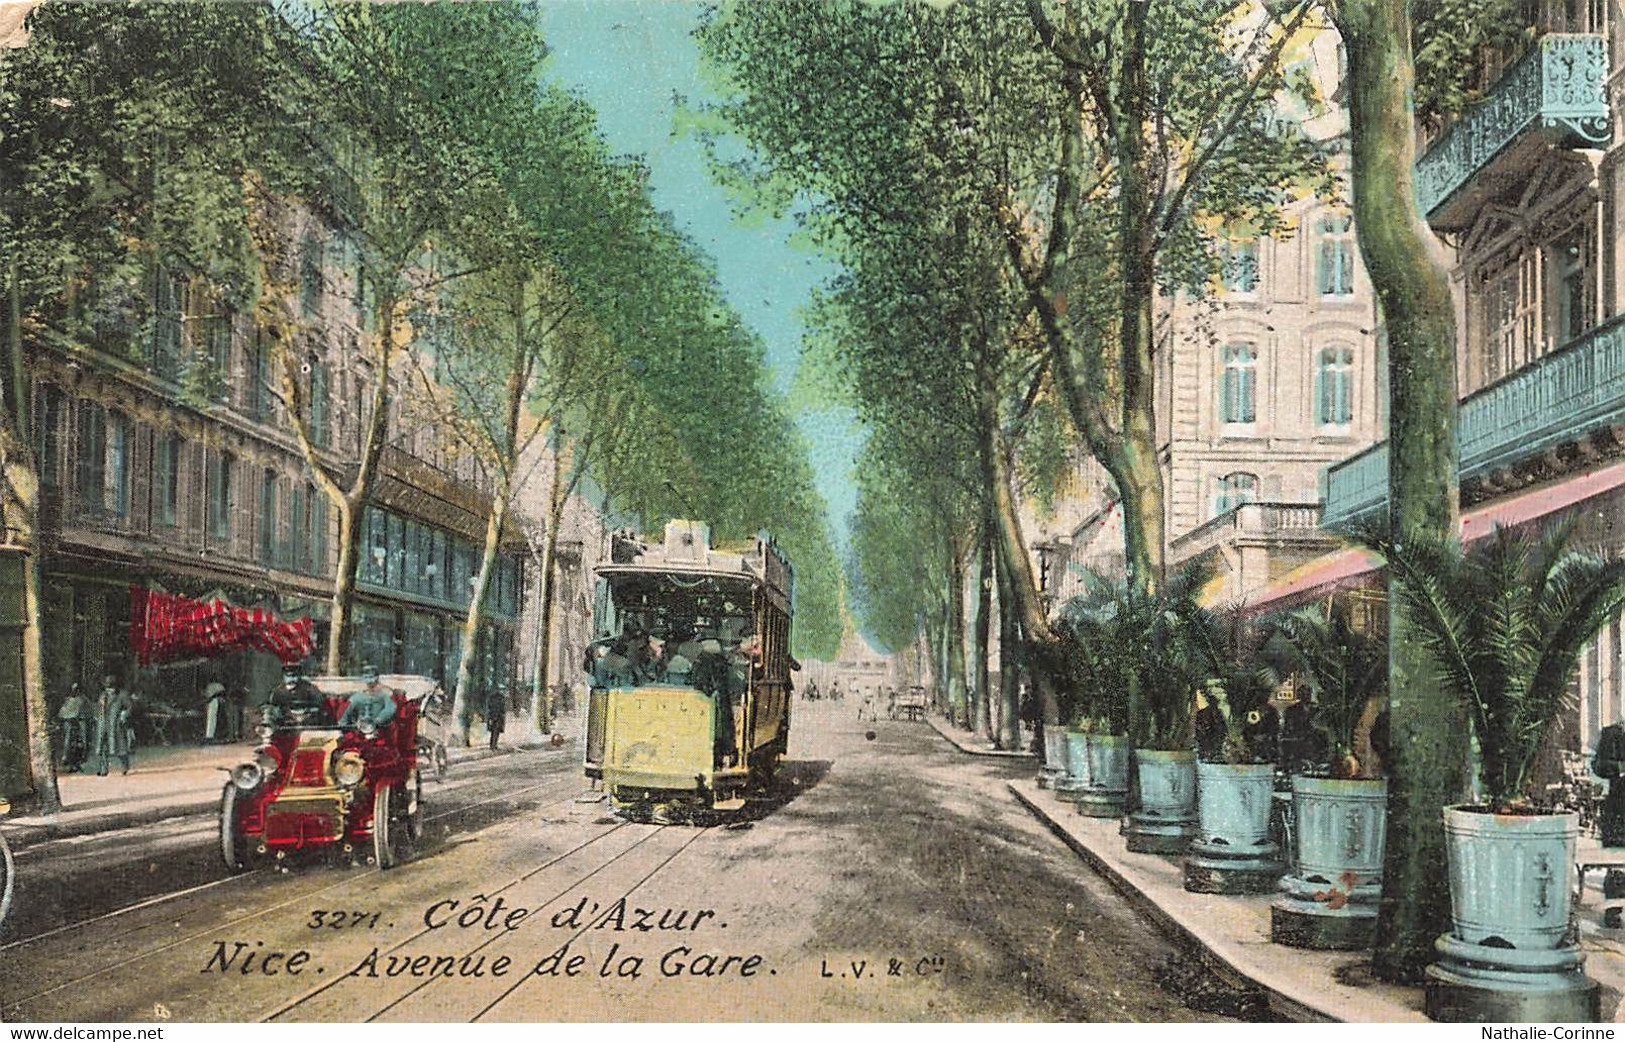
(372, 704)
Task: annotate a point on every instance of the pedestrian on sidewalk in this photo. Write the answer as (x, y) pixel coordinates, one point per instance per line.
(113, 735)
(214, 715)
(1609, 762)
(75, 718)
(496, 713)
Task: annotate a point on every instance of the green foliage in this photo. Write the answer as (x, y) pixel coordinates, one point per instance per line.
(1119, 639)
(1346, 670)
(1505, 624)
(1238, 684)
(1452, 40)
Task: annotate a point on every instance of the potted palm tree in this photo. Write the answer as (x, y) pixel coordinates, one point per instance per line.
(1505, 625)
(1097, 745)
(1339, 798)
(1235, 729)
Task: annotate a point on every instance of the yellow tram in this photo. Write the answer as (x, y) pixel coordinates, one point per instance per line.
(690, 670)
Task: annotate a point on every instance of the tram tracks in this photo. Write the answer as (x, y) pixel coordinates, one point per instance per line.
(303, 896)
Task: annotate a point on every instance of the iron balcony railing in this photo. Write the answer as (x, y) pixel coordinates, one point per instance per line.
(1576, 389)
(1559, 86)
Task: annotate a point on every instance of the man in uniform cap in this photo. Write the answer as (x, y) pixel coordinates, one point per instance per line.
(372, 704)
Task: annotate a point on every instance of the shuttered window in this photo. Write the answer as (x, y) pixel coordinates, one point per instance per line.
(220, 469)
(92, 463)
(166, 479)
(1238, 385)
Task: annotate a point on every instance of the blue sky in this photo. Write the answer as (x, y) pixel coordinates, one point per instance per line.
(631, 59)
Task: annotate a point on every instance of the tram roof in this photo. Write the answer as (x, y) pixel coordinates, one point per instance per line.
(687, 550)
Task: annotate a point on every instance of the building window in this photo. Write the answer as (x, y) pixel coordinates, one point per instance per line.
(217, 342)
(219, 481)
(47, 432)
(310, 274)
(118, 465)
(1234, 490)
(92, 458)
(320, 405)
(318, 530)
(169, 312)
(268, 518)
(298, 528)
(1238, 385)
(1334, 395)
(1575, 283)
(377, 546)
(1336, 275)
(1238, 265)
(166, 481)
(257, 388)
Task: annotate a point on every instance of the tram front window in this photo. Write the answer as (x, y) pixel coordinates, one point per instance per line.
(672, 630)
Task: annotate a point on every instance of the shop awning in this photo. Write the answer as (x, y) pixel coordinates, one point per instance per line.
(1344, 568)
(165, 627)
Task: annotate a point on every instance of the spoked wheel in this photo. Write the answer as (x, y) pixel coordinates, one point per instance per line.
(233, 844)
(394, 826)
(8, 874)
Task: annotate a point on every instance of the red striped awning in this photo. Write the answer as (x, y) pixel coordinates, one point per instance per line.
(166, 627)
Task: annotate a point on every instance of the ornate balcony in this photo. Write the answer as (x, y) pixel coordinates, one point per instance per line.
(1554, 95)
(1572, 393)
(1261, 523)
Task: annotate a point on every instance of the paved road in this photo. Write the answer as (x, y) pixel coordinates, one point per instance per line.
(887, 879)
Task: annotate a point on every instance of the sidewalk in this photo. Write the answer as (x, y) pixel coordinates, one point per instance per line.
(166, 782)
(966, 742)
(1232, 934)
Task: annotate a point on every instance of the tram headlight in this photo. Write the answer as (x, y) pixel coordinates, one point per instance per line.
(348, 769)
(247, 776)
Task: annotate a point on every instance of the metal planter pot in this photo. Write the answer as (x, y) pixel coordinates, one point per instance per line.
(1510, 952)
(1053, 769)
(1233, 852)
(1106, 792)
(1166, 818)
(1070, 787)
(1329, 898)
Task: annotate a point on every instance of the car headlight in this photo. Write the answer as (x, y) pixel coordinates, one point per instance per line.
(268, 760)
(348, 769)
(265, 731)
(366, 726)
(247, 776)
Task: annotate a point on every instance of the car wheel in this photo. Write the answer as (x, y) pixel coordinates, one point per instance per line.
(383, 831)
(233, 844)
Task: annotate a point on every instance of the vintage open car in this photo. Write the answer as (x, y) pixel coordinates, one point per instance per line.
(314, 784)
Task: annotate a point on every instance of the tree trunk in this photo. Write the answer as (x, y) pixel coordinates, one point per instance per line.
(1009, 708)
(1413, 291)
(956, 634)
(340, 631)
(22, 518)
(543, 707)
(461, 711)
(981, 697)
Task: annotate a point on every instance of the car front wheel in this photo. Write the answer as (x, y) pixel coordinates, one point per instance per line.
(233, 844)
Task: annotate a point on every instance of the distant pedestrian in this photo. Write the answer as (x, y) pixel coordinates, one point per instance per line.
(75, 717)
(214, 712)
(112, 715)
(496, 713)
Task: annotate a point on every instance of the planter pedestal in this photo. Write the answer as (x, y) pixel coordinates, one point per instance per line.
(1234, 854)
(1329, 898)
(1477, 983)
(1166, 819)
(1509, 956)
